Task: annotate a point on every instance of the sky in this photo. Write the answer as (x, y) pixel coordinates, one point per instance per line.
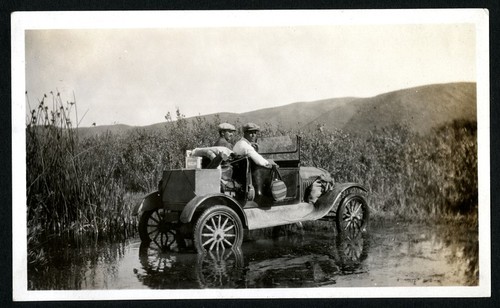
(135, 76)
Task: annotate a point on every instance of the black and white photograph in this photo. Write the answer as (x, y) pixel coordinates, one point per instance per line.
(250, 154)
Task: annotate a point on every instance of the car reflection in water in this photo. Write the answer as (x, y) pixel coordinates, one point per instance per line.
(188, 270)
(289, 261)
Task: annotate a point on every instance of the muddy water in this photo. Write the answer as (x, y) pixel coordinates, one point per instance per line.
(389, 254)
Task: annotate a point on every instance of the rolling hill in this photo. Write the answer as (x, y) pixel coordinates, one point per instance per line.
(421, 108)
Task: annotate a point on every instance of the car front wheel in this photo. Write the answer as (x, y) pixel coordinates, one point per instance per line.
(352, 214)
(218, 228)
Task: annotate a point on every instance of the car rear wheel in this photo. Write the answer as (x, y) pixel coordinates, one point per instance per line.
(218, 228)
(154, 227)
(352, 214)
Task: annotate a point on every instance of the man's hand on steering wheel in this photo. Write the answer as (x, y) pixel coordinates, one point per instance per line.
(273, 163)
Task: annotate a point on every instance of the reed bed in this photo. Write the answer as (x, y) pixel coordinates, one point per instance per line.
(408, 175)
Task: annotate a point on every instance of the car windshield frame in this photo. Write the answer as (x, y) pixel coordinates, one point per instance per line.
(280, 147)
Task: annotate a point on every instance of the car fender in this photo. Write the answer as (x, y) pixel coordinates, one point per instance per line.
(209, 200)
(150, 202)
(328, 201)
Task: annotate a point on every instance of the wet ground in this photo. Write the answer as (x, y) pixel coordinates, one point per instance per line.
(388, 254)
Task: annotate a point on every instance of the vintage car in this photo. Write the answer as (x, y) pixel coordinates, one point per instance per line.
(211, 204)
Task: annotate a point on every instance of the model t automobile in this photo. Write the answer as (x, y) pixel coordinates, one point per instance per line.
(211, 204)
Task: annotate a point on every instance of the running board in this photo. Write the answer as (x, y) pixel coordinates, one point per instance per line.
(264, 217)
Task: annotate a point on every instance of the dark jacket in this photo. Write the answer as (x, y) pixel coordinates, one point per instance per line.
(222, 142)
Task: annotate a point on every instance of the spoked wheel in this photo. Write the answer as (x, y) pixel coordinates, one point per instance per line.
(352, 214)
(218, 228)
(154, 227)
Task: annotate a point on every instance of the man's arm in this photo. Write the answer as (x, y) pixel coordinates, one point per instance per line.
(244, 148)
(258, 159)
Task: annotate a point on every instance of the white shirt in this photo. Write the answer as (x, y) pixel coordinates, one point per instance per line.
(244, 148)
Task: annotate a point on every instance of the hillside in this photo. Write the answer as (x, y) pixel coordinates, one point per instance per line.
(420, 108)
(84, 132)
(289, 116)
(297, 115)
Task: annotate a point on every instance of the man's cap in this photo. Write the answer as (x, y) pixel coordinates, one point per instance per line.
(226, 126)
(251, 127)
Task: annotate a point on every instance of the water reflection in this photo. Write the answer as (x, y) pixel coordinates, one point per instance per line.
(353, 248)
(220, 269)
(306, 261)
(172, 270)
(168, 269)
(75, 265)
(391, 254)
(294, 261)
(407, 254)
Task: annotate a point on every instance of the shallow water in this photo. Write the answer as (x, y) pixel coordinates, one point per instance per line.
(388, 254)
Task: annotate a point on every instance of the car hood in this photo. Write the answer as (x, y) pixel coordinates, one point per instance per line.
(309, 172)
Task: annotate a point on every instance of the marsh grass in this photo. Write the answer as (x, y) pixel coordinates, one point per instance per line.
(408, 175)
(71, 185)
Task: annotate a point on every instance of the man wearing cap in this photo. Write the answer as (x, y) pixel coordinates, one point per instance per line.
(226, 132)
(244, 146)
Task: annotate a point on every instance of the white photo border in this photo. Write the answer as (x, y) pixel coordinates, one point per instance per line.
(22, 21)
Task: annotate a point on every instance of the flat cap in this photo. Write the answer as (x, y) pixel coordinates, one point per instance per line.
(251, 127)
(226, 126)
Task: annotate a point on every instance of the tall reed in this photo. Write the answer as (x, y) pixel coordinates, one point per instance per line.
(71, 185)
(408, 175)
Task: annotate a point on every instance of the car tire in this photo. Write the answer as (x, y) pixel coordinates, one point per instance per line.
(217, 228)
(352, 214)
(153, 227)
